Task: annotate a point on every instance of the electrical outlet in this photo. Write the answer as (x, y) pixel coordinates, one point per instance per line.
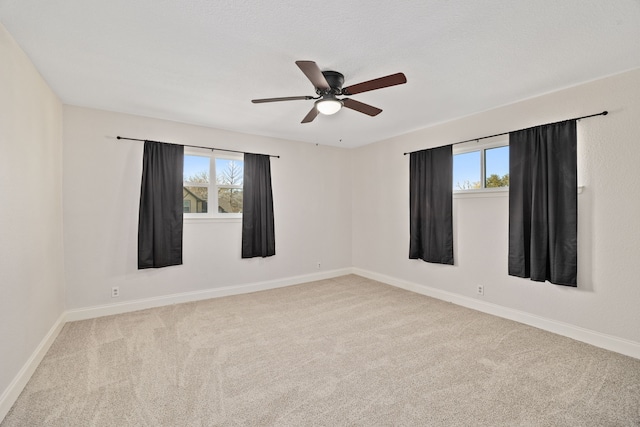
(480, 290)
(318, 265)
(115, 292)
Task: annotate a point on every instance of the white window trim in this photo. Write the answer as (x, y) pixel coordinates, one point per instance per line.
(481, 192)
(491, 192)
(496, 141)
(212, 215)
(481, 145)
(205, 219)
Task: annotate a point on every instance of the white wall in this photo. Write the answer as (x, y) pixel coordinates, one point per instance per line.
(607, 299)
(31, 266)
(312, 204)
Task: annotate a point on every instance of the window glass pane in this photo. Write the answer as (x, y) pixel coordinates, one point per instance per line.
(229, 172)
(229, 200)
(186, 205)
(497, 167)
(196, 169)
(197, 198)
(466, 171)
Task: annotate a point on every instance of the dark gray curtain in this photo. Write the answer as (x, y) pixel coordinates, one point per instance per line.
(430, 205)
(258, 236)
(160, 216)
(543, 203)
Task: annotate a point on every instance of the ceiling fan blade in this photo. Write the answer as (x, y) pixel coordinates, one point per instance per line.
(313, 73)
(361, 107)
(310, 115)
(286, 98)
(379, 83)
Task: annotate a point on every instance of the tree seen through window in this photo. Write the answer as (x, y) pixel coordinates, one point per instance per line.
(229, 175)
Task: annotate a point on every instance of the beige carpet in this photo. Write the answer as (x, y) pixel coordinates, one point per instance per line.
(345, 351)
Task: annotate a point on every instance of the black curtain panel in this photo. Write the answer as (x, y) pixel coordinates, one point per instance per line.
(160, 216)
(543, 203)
(258, 236)
(430, 204)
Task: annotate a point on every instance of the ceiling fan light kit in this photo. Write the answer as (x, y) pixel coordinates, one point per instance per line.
(328, 85)
(328, 105)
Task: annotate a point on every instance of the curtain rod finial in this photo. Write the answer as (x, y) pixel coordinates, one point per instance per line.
(605, 112)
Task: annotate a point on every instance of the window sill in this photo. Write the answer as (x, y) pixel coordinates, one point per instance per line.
(467, 194)
(498, 192)
(192, 220)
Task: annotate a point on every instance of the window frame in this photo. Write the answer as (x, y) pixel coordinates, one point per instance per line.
(482, 147)
(213, 186)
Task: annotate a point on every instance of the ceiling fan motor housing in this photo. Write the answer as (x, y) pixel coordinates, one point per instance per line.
(335, 80)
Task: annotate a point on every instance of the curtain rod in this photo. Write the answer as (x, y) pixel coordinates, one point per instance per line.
(604, 113)
(196, 146)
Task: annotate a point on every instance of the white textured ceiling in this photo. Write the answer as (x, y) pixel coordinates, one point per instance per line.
(202, 61)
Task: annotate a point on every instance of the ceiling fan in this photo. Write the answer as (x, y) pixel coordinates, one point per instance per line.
(328, 85)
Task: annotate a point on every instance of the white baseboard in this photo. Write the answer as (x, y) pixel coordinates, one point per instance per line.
(142, 304)
(11, 393)
(609, 342)
(598, 339)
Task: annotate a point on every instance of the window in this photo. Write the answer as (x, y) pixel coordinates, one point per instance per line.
(481, 166)
(204, 197)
